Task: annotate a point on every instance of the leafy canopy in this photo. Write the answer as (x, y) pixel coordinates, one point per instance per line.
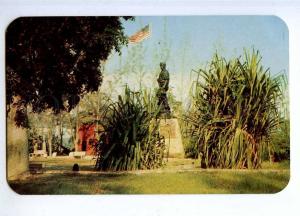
(54, 60)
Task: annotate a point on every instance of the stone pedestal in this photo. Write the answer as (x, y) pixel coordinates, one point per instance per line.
(170, 129)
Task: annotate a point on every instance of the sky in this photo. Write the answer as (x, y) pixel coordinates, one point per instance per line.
(187, 43)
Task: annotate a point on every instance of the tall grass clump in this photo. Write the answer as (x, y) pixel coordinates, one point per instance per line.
(131, 140)
(235, 110)
(280, 140)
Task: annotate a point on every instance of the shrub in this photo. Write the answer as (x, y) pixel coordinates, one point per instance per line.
(131, 139)
(235, 110)
(280, 140)
(189, 142)
(34, 139)
(190, 149)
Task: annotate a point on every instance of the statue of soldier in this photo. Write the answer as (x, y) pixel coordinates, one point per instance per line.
(163, 83)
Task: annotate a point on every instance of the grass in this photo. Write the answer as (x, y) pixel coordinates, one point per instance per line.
(172, 179)
(64, 163)
(204, 182)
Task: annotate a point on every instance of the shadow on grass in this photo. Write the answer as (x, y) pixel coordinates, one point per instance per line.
(248, 183)
(203, 182)
(66, 184)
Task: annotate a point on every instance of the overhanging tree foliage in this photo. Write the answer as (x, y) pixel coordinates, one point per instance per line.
(53, 60)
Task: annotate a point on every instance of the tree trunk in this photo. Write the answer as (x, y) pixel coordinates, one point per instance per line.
(50, 142)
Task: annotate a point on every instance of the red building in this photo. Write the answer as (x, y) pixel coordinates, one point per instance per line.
(87, 138)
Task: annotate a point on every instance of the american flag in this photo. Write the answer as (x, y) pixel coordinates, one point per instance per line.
(140, 35)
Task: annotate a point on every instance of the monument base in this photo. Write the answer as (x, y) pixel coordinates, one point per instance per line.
(170, 129)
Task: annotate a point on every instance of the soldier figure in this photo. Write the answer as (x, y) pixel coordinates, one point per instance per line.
(163, 83)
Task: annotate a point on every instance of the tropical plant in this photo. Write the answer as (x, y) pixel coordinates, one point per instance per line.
(131, 139)
(235, 110)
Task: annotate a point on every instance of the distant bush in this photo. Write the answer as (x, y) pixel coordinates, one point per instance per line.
(280, 142)
(34, 139)
(190, 149)
(189, 143)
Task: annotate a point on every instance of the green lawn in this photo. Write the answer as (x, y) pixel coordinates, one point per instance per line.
(169, 180)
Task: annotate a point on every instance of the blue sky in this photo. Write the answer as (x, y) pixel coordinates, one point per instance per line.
(189, 42)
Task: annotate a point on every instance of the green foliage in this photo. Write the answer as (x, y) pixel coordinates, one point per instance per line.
(92, 107)
(53, 60)
(235, 111)
(34, 139)
(280, 140)
(57, 146)
(190, 149)
(131, 140)
(189, 142)
(51, 126)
